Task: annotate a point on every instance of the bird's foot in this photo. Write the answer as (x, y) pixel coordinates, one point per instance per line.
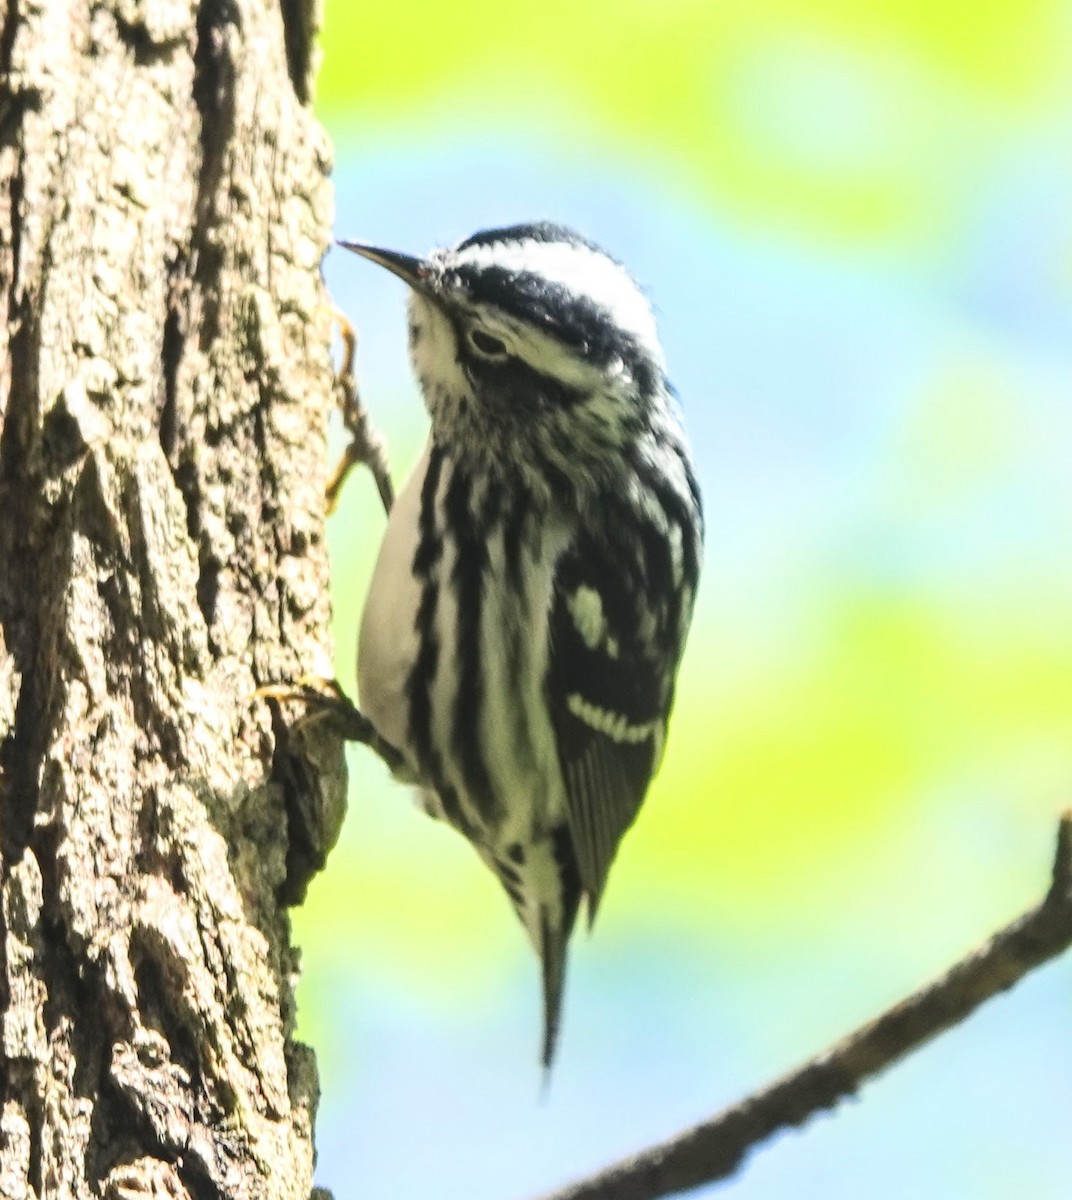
(324, 700)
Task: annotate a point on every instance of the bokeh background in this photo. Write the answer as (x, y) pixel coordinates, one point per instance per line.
(855, 222)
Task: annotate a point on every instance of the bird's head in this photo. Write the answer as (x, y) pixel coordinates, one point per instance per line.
(531, 344)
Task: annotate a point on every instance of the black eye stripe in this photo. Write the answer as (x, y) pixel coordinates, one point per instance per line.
(574, 320)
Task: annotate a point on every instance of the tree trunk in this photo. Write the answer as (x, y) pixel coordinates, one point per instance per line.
(164, 384)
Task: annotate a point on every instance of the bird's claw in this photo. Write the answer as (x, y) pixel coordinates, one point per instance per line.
(325, 700)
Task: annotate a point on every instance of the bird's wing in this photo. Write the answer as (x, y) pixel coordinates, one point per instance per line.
(615, 639)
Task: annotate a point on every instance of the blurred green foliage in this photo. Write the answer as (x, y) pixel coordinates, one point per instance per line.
(852, 121)
(873, 729)
(791, 758)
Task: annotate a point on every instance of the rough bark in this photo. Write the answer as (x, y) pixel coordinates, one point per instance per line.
(164, 384)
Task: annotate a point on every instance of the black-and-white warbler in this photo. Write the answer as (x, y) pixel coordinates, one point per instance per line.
(530, 603)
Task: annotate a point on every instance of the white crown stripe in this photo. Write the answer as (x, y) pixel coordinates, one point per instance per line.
(582, 271)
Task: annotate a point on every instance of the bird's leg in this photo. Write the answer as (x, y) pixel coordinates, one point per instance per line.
(325, 700)
(366, 445)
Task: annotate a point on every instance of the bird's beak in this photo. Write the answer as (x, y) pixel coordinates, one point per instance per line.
(417, 272)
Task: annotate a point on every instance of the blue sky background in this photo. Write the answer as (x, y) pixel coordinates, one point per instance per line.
(857, 233)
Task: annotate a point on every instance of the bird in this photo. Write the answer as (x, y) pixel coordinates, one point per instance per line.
(529, 606)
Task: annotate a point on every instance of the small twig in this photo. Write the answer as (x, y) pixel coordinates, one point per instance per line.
(715, 1149)
(366, 446)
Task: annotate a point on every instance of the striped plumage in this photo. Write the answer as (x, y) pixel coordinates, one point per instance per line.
(535, 584)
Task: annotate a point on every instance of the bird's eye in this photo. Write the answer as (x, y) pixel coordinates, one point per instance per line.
(486, 345)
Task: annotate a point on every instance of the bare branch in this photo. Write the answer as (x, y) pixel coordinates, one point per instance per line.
(366, 446)
(715, 1149)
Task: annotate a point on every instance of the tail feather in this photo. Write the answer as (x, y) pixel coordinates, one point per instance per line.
(544, 886)
(553, 963)
(556, 925)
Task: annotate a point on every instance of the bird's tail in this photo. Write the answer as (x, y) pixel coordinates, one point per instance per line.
(544, 886)
(554, 939)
